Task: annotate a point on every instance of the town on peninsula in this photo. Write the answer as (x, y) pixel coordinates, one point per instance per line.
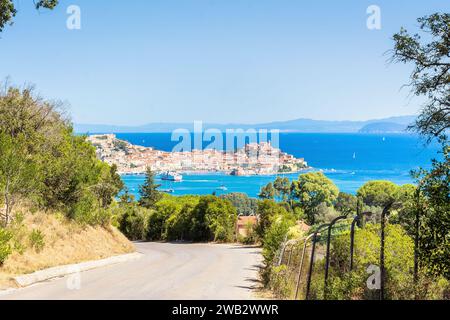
(252, 159)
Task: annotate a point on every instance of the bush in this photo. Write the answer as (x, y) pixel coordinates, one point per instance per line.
(243, 203)
(276, 234)
(87, 211)
(280, 284)
(5, 247)
(268, 210)
(220, 218)
(178, 225)
(399, 262)
(166, 212)
(131, 220)
(37, 240)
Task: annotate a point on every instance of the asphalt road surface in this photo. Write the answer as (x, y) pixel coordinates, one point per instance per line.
(165, 271)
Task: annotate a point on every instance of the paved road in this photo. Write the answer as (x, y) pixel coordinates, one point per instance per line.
(165, 271)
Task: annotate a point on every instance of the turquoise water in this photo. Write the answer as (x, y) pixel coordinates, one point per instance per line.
(349, 160)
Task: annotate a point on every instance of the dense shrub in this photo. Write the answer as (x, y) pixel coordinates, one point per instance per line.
(220, 217)
(190, 218)
(399, 262)
(378, 193)
(43, 161)
(5, 246)
(243, 203)
(133, 220)
(275, 234)
(267, 211)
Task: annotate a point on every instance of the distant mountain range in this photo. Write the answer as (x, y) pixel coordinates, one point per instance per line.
(387, 125)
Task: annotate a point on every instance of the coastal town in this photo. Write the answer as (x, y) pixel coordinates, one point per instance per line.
(253, 159)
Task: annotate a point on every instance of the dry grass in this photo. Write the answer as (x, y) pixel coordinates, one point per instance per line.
(66, 242)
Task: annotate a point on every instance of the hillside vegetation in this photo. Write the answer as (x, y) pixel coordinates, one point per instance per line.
(43, 240)
(55, 195)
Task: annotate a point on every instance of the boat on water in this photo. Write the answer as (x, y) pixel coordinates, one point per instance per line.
(222, 188)
(167, 190)
(172, 176)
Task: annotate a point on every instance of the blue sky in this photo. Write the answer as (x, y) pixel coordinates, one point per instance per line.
(140, 61)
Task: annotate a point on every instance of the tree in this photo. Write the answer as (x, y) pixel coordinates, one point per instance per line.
(378, 193)
(42, 161)
(267, 211)
(312, 189)
(109, 186)
(431, 74)
(220, 217)
(8, 10)
(346, 203)
(18, 175)
(242, 202)
(283, 187)
(149, 190)
(28, 125)
(434, 235)
(268, 192)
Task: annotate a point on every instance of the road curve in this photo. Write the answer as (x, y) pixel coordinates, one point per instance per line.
(165, 271)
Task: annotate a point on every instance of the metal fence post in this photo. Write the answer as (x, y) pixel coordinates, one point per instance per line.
(352, 240)
(382, 269)
(299, 276)
(356, 219)
(283, 247)
(311, 264)
(327, 257)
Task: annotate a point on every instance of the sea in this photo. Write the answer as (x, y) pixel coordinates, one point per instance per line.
(349, 160)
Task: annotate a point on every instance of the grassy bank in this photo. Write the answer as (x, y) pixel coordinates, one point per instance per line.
(43, 240)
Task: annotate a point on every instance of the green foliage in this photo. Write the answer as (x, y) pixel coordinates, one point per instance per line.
(8, 10)
(189, 218)
(132, 220)
(312, 189)
(5, 246)
(110, 184)
(399, 259)
(18, 172)
(279, 282)
(48, 4)
(42, 160)
(434, 250)
(267, 211)
(243, 203)
(378, 193)
(431, 73)
(220, 217)
(149, 190)
(283, 187)
(37, 240)
(179, 223)
(206, 217)
(268, 192)
(168, 222)
(346, 203)
(274, 237)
